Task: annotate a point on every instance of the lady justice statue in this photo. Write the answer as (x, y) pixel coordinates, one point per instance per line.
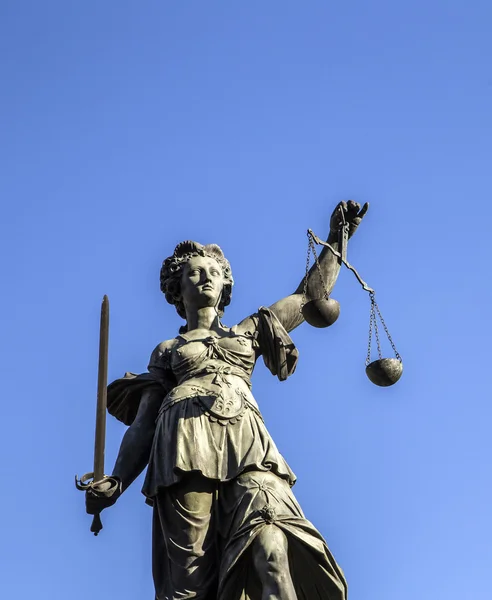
(226, 525)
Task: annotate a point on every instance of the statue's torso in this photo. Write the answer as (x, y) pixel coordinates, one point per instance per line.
(210, 422)
(214, 370)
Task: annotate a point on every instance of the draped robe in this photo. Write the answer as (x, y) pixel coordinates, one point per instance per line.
(215, 477)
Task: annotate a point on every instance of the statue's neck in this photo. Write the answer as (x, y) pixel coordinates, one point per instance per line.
(203, 318)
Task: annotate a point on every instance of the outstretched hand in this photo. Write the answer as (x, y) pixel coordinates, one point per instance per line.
(347, 212)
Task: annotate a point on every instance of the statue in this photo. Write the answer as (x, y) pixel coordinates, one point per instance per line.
(226, 524)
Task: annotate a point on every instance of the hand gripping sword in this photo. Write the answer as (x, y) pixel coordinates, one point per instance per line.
(90, 480)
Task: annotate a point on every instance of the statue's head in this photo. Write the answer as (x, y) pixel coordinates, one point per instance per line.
(197, 276)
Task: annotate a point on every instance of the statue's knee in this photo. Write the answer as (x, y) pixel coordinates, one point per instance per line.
(270, 549)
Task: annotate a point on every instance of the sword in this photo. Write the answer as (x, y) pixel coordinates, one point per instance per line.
(102, 393)
(90, 480)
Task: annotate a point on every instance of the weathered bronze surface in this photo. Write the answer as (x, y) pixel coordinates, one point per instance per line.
(226, 523)
(385, 371)
(321, 312)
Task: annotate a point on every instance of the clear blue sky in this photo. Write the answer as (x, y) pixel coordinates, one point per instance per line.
(129, 126)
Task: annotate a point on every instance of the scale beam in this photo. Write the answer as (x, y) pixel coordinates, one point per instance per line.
(342, 259)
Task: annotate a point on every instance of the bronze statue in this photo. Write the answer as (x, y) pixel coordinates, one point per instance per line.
(226, 524)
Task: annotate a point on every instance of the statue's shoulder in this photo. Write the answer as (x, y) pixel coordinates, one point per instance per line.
(166, 346)
(162, 352)
(248, 326)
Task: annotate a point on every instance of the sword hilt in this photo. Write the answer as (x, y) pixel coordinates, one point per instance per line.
(96, 524)
(88, 483)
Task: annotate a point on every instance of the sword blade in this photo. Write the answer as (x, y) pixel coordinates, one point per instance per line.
(102, 382)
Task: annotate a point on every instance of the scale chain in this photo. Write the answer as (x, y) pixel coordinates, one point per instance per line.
(373, 324)
(388, 335)
(368, 357)
(371, 318)
(312, 248)
(304, 291)
(318, 266)
(376, 328)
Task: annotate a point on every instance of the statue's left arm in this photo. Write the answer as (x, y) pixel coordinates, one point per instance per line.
(288, 310)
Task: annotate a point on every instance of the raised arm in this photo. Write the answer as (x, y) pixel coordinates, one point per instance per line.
(288, 310)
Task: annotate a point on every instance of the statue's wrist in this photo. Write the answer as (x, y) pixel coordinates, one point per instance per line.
(332, 237)
(120, 483)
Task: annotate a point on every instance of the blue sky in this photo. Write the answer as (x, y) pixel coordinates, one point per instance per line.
(129, 126)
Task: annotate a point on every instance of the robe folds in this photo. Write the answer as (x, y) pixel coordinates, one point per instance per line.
(215, 478)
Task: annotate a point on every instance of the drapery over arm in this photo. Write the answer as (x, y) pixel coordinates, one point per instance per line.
(279, 352)
(124, 394)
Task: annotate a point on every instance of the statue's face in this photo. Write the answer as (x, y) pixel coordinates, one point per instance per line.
(202, 282)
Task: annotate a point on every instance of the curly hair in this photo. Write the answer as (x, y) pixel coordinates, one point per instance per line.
(172, 269)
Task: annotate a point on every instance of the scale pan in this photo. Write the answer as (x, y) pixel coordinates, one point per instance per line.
(385, 371)
(322, 312)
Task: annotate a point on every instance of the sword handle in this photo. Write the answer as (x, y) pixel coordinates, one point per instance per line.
(86, 484)
(96, 524)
